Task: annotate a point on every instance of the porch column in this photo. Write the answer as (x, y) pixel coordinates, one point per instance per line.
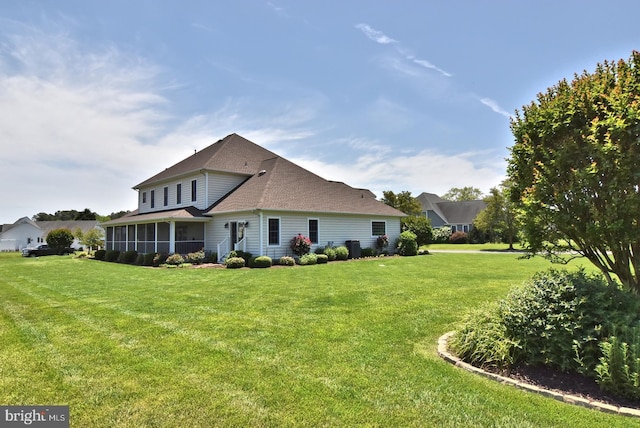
(155, 239)
(172, 237)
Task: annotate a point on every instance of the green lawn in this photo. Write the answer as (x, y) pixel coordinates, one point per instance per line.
(343, 344)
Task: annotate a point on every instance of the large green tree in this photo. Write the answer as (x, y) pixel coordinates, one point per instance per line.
(575, 169)
(498, 219)
(402, 201)
(59, 239)
(467, 193)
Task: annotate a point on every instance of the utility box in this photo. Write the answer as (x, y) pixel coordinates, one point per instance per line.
(354, 249)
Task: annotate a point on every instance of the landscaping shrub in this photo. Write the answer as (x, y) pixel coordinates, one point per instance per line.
(148, 259)
(342, 253)
(331, 253)
(260, 262)
(99, 254)
(441, 235)
(368, 252)
(319, 250)
(287, 261)
(421, 226)
(458, 238)
(174, 260)
(242, 254)
(196, 258)
(560, 319)
(300, 245)
(619, 369)
(407, 244)
(159, 259)
(59, 239)
(112, 256)
(140, 259)
(308, 259)
(382, 242)
(210, 257)
(322, 259)
(128, 257)
(234, 262)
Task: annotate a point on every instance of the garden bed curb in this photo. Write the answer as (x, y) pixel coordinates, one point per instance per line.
(567, 398)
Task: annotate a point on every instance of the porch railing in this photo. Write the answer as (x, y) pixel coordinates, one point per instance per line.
(223, 249)
(241, 245)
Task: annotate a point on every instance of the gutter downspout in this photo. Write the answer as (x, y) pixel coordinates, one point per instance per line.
(260, 232)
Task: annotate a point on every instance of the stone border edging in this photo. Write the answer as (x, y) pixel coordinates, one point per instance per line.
(567, 398)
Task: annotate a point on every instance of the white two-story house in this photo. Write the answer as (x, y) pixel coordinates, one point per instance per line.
(235, 194)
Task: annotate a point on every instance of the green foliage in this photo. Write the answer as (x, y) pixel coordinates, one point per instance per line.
(308, 259)
(111, 256)
(421, 226)
(196, 258)
(59, 239)
(149, 259)
(498, 220)
(557, 319)
(467, 193)
(441, 235)
(319, 250)
(99, 254)
(483, 340)
(160, 259)
(619, 368)
(260, 262)
(174, 259)
(573, 169)
(234, 262)
(322, 259)
(458, 238)
(342, 253)
(128, 257)
(331, 253)
(300, 245)
(368, 252)
(403, 201)
(242, 254)
(93, 238)
(140, 259)
(287, 261)
(407, 245)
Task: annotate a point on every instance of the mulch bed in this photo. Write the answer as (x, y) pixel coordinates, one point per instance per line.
(567, 383)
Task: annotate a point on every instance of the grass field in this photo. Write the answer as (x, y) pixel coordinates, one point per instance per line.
(343, 344)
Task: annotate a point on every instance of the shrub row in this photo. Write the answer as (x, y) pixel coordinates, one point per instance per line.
(154, 259)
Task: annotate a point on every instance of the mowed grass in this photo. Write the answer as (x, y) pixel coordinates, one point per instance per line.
(343, 344)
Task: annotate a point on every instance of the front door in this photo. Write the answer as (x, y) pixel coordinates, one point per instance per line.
(233, 230)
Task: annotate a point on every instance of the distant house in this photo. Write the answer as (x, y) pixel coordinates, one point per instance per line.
(457, 214)
(26, 233)
(236, 195)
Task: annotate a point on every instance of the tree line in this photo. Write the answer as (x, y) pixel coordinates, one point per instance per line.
(73, 215)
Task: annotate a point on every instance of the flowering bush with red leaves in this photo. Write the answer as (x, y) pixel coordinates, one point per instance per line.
(300, 245)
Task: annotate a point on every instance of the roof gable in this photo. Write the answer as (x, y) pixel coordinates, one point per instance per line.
(233, 154)
(451, 212)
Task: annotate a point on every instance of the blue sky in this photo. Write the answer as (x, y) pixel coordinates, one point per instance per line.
(97, 96)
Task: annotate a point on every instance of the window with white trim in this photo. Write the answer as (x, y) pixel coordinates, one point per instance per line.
(378, 228)
(313, 230)
(274, 231)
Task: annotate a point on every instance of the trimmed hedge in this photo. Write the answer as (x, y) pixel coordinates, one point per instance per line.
(287, 261)
(260, 262)
(322, 259)
(234, 262)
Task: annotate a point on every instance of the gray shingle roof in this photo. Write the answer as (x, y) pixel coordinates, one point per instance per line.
(233, 154)
(452, 212)
(283, 185)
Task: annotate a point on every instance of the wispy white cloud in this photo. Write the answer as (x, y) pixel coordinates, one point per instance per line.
(493, 105)
(380, 37)
(375, 35)
(423, 171)
(426, 64)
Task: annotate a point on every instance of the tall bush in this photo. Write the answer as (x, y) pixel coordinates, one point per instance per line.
(59, 239)
(300, 245)
(407, 244)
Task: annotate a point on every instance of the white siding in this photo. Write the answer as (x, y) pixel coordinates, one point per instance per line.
(219, 184)
(331, 228)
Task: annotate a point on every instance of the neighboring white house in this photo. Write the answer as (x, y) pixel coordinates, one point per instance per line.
(28, 233)
(235, 194)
